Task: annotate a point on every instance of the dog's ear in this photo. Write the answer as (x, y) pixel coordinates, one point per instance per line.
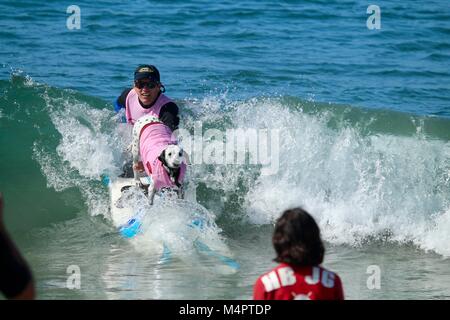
(162, 157)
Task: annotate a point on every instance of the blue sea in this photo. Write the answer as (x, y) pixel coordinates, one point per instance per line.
(363, 116)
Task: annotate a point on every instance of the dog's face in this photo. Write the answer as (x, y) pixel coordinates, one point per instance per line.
(173, 156)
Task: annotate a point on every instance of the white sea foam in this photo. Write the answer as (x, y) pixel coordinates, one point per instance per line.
(87, 149)
(93, 143)
(175, 229)
(358, 187)
(84, 146)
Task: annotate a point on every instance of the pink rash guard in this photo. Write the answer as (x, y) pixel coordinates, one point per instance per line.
(134, 110)
(154, 138)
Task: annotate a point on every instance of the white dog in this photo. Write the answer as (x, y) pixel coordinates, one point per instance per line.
(161, 157)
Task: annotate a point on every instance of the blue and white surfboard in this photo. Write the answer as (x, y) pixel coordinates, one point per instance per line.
(130, 223)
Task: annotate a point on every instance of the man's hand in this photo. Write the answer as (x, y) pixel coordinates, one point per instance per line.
(139, 167)
(15, 266)
(1, 213)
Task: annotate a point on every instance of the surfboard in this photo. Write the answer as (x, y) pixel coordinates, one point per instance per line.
(120, 214)
(129, 221)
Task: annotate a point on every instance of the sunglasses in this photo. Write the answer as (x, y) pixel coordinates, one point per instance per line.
(142, 84)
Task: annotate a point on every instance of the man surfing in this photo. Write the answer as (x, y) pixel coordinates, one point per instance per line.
(146, 97)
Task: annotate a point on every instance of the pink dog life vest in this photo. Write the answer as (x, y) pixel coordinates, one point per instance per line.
(154, 137)
(134, 110)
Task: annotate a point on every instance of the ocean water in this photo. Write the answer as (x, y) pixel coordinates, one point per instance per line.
(363, 117)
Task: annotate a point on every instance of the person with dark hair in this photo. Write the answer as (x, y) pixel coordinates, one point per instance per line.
(16, 280)
(300, 252)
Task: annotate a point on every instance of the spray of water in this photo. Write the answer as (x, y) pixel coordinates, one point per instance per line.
(358, 186)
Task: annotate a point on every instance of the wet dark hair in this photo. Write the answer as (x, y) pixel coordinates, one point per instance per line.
(296, 239)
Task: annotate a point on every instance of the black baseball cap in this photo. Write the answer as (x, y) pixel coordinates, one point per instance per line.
(146, 71)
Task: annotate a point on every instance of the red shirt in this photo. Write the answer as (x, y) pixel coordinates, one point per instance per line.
(288, 282)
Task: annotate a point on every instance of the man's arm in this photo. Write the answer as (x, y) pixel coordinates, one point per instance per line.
(16, 280)
(339, 289)
(259, 292)
(121, 100)
(169, 115)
